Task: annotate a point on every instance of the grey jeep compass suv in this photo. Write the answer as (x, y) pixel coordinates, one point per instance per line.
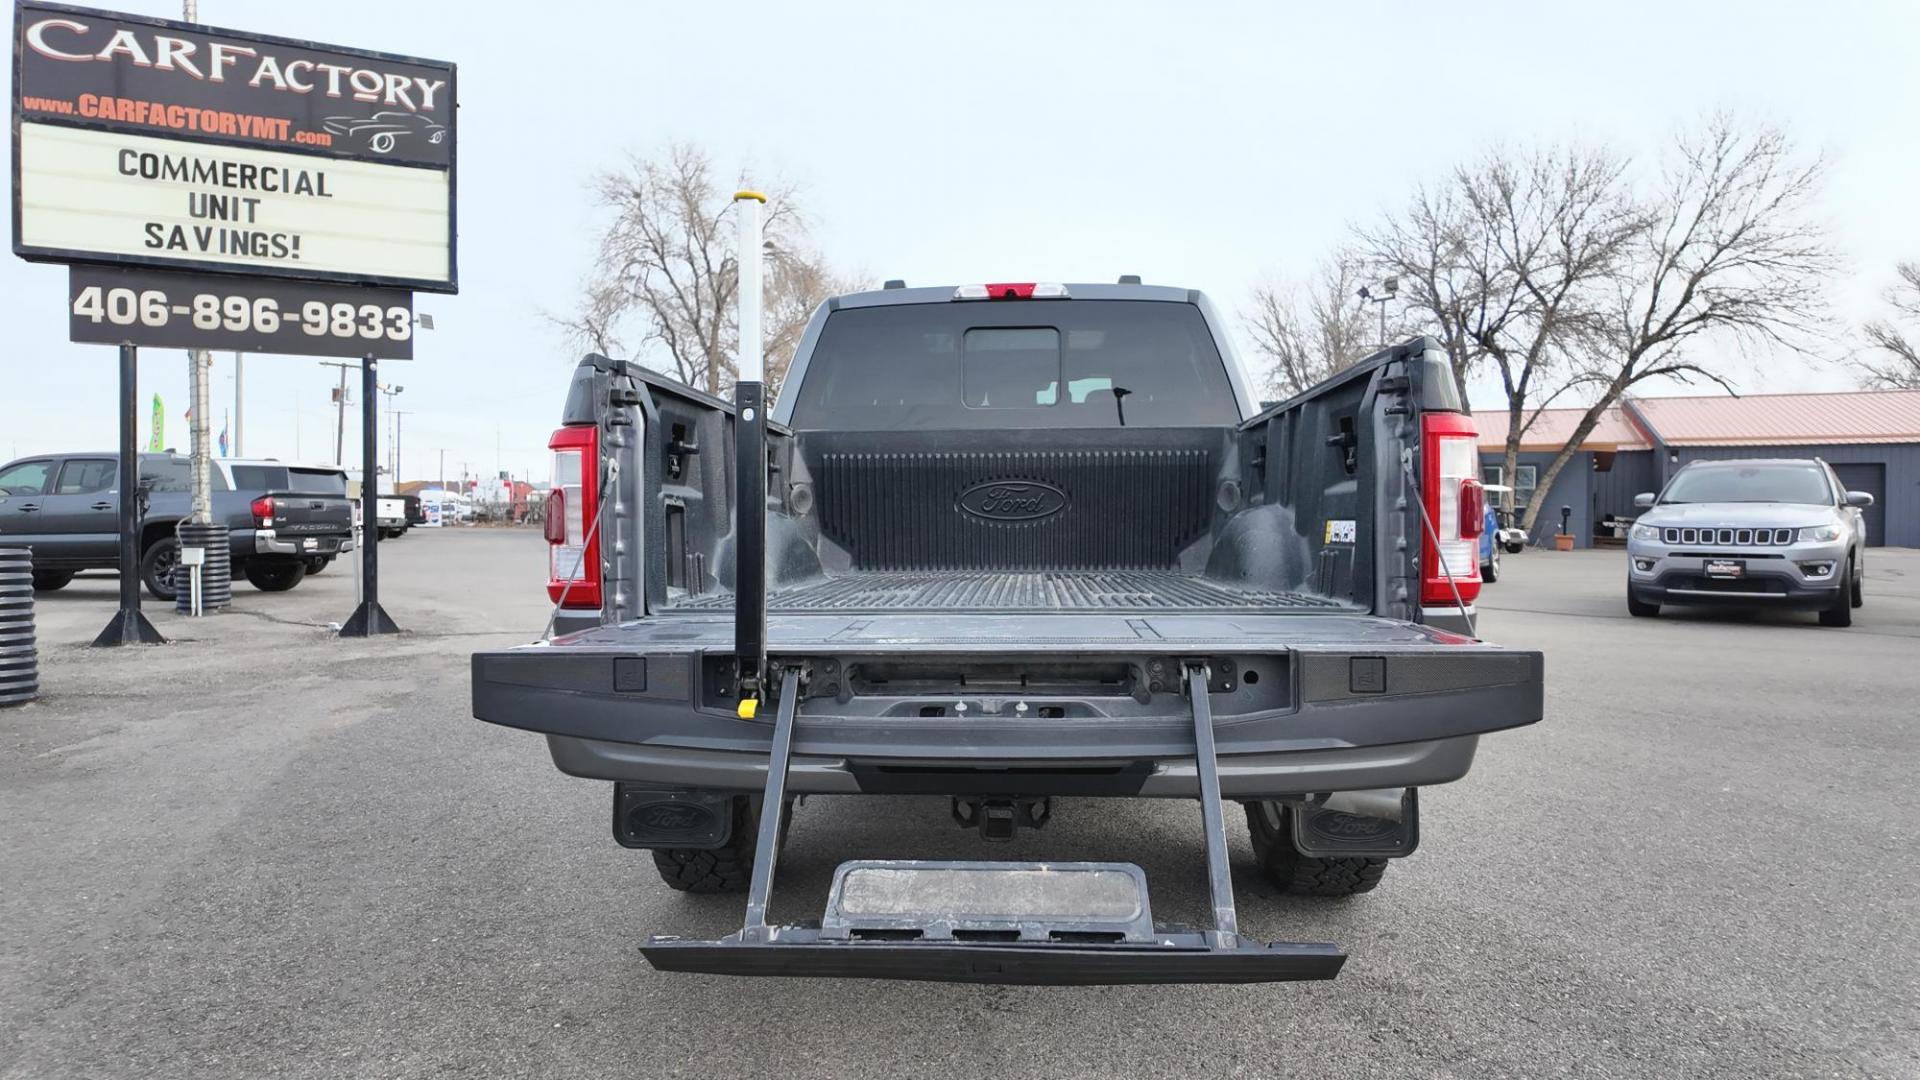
(1756, 533)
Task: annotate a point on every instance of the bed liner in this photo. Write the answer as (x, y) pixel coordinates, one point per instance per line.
(957, 591)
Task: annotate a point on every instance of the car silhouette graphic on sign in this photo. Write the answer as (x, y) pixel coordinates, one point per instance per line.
(383, 130)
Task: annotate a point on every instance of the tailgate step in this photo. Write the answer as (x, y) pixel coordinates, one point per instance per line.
(901, 900)
(1074, 923)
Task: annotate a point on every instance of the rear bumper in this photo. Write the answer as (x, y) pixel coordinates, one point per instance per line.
(1451, 619)
(1299, 703)
(1242, 776)
(268, 542)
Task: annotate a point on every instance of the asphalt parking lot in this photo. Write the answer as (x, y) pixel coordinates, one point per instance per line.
(262, 851)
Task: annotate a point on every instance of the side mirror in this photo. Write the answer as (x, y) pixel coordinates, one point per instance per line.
(1861, 499)
(1644, 500)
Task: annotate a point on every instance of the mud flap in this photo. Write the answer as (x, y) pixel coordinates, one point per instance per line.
(996, 922)
(1359, 824)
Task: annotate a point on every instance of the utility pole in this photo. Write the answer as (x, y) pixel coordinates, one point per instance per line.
(340, 411)
(443, 469)
(199, 369)
(239, 401)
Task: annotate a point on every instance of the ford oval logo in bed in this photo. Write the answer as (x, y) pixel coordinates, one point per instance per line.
(1013, 500)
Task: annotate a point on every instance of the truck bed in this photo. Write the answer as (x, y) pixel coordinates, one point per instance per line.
(991, 591)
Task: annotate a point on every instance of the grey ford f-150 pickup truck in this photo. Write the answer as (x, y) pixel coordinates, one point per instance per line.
(1020, 542)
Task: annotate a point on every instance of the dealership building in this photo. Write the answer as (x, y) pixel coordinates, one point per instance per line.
(1870, 437)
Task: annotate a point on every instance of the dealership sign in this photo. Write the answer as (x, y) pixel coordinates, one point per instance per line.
(168, 308)
(170, 145)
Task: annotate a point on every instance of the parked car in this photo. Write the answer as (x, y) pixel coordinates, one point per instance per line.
(66, 508)
(391, 516)
(1016, 548)
(1755, 533)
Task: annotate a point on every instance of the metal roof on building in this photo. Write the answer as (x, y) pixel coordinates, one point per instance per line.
(1857, 416)
(1860, 416)
(1551, 429)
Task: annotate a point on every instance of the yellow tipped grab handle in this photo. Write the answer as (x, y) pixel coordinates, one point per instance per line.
(749, 708)
(754, 195)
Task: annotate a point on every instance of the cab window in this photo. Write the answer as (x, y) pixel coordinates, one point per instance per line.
(84, 476)
(26, 478)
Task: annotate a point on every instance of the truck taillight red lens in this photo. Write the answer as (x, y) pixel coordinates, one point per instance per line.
(1456, 503)
(573, 552)
(1473, 509)
(263, 511)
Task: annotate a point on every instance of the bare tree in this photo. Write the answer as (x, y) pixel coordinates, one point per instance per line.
(1550, 230)
(666, 275)
(1897, 365)
(1503, 259)
(1730, 253)
(1306, 333)
(1444, 264)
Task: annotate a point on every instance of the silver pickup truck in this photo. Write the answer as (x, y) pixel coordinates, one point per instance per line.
(1016, 543)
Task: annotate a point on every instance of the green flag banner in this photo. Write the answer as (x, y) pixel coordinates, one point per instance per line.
(159, 440)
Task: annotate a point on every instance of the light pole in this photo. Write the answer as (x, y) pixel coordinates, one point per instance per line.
(1380, 294)
(390, 392)
(399, 418)
(239, 402)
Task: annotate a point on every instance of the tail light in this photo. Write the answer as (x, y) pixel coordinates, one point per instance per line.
(1473, 509)
(573, 557)
(1012, 290)
(262, 509)
(1457, 505)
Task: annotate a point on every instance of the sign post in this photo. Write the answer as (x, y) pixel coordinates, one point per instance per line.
(214, 189)
(129, 626)
(369, 618)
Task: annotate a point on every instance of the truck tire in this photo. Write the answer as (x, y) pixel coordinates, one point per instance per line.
(275, 575)
(1490, 571)
(725, 869)
(1841, 613)
(156, 567)
(51, 580)
(1640, 608)
(1271, 824)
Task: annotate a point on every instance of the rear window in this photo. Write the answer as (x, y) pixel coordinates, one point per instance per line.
(259, 477)
(317, 481)
(1015, 364)
(167, 474)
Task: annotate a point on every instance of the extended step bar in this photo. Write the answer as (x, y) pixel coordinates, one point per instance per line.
(994, 922)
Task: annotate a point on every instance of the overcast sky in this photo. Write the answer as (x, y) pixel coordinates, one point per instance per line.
(1195, 144)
